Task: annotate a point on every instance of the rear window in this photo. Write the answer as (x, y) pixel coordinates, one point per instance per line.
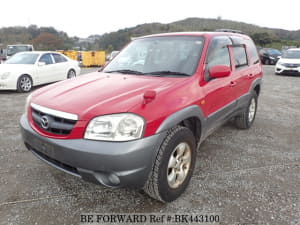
(240, 56)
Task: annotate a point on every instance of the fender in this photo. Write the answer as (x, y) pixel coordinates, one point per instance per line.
(179, 116)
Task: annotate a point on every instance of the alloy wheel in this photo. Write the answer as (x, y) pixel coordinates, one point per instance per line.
(179, 165)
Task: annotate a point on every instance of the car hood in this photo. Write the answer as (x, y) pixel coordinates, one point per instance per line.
(14, 67)
(99, 94)
(285, 60)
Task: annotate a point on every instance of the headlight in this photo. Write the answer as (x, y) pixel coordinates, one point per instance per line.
(279, 63)
(28, 99)
(115, 127)
(5, 75)
(271, 57)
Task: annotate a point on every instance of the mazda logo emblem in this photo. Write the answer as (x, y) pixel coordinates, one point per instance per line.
(45, 122)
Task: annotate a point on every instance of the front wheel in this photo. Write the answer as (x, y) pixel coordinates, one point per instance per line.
(24, 83)
(246, 119)
(173, 166)
(267, 62)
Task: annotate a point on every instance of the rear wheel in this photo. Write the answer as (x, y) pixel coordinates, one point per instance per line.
(246, 119)
(71, 74)
(24, 83)
(173, 166)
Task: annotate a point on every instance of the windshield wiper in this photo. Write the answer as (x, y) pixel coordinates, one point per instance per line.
(167, 72)
(125, 71)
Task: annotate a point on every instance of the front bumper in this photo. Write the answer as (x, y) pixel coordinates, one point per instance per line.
(113, 164)
(280, 69)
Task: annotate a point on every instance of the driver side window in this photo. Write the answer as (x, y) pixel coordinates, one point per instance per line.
(218, 54)
(46, 59)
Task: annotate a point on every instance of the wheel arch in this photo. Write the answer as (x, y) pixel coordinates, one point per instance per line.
(190, 117)
(256, 86)
(25, 74)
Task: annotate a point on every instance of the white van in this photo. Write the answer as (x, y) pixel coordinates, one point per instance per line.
(13, 49)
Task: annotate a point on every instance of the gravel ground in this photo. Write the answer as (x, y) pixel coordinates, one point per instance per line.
(246, 177)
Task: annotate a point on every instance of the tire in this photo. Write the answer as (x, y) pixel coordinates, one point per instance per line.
(246, 119)
(179, 144)
(267, 62)
(71, 74)
(24, 84)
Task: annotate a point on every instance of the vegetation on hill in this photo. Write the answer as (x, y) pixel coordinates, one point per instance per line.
(48, 38)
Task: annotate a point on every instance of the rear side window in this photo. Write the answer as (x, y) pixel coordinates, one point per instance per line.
(59, 58)
(240, 56)
(253, 52)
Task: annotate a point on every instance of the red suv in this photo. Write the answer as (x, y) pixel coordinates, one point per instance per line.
(139, 121)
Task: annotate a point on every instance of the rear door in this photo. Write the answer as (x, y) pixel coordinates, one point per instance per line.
(61, 66)
(241, 69)
(246, 66)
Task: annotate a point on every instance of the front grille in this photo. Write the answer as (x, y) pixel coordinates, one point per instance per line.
(52, 124)
(290, 72)
(291, 65)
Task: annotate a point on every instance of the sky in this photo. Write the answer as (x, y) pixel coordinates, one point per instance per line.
(84, 18)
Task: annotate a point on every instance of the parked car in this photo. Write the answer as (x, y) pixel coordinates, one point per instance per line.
(289, 63)
(269, 56)
(112, 55)
(26, 69)
(13, 49)
(138, 122)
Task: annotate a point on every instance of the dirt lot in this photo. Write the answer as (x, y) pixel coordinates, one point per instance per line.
(246, 177)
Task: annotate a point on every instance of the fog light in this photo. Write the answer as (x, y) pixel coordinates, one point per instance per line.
(114, 179)
(107, 179)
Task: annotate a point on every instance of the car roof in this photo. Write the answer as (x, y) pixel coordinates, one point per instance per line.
(39, 52)
(20, 45)
(293, 49)
(210, 34)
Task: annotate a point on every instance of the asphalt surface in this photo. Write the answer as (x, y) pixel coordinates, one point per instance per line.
(247, 177)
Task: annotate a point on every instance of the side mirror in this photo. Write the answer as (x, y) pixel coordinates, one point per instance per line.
(219, 71)
(41, 64)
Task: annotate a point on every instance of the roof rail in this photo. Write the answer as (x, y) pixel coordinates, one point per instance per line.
(230, 31)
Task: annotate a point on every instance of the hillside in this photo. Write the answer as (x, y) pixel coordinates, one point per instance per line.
(43, 38)
(115, 40)
(49, 38)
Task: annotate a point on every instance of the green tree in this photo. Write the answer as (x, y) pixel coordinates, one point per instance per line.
(262, 38)
(48, 41)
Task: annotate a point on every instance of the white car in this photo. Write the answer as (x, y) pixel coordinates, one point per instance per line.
(27, 69)
(289, 63)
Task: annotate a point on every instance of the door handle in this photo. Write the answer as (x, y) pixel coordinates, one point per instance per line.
(232, 83)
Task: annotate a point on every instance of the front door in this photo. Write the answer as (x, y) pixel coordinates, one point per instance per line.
(220, 93)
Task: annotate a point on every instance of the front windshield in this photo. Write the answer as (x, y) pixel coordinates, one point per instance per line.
(168, 55)
(11, 50)
(23, 58)
(291, 54)
(274, 52)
